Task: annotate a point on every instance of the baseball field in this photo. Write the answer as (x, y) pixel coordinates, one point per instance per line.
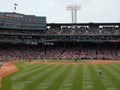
(63, 75)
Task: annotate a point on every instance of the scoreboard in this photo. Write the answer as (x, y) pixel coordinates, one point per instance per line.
(21, 21)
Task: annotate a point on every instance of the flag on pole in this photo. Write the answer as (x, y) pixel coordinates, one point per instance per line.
(15, 5)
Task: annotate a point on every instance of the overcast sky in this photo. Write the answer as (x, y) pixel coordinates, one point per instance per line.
(55, 10)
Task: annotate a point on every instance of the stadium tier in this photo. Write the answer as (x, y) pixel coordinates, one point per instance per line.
(30, 37)
(61, 51)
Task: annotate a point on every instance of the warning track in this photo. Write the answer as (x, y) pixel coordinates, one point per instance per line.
(71, 62)
(7, 68)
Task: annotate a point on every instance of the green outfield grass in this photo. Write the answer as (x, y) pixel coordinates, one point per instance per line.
(63, 77)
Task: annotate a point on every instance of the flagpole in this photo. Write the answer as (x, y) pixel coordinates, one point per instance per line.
(15, 6)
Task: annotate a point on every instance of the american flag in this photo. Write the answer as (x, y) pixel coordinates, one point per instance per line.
(15, 4)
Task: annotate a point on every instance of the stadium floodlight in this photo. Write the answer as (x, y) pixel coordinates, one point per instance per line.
(73, 8)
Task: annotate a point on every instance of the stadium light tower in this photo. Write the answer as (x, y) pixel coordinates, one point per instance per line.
(73, 8)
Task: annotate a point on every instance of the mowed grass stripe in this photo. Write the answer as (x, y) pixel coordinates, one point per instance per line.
(87, 81)
(96, 79)
(42, 76)
(48, 81)
(116, 69)
(107, 83)
(59, 80)
(117, 66)
(109, 73)
(77, 82)
(29, 66)
(32, 66)
(27, 71)
(26, 74)
(67, 83)
(113, 71)
(34, 79)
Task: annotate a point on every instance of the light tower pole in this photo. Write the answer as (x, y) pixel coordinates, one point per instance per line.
(73, 8)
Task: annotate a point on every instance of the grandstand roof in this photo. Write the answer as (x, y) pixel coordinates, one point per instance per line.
(68, 24)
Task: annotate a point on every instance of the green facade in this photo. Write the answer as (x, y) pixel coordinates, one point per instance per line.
(21, 21)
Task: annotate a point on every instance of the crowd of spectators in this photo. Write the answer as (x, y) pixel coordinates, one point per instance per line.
(62, 33)
(85, 30)
(68, 30)
(59, 51)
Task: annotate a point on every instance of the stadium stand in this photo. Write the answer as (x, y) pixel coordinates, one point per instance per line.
(59, 51)
(30, 37)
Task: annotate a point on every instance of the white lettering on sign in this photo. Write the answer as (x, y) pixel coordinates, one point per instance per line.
(14, 15)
